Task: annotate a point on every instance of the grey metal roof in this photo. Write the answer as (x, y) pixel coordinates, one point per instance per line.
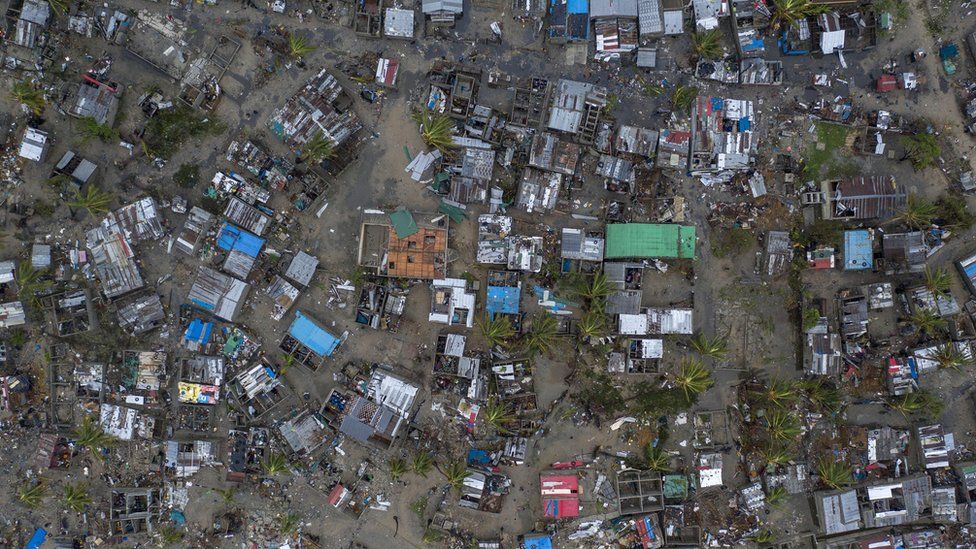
(624, 302)
(613, 8)
(674, 22)
(302, 268)
(647, 58)
(576, 245)
(569, 102)
(838, 512)
(649, 17)
(478, 163)
(35, 11)
(398, 23)
(450, 6)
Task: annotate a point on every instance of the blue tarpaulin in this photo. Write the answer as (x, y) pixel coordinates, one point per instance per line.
(537, 541)
(177, 517)
(744, 124)
(478, 457)
(577, 6)
(232, 237)
(311, 335)
(717, 103)
(37, 540)
(199, 331)
(503, 299)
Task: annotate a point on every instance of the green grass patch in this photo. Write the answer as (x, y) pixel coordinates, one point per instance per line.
(818, 162)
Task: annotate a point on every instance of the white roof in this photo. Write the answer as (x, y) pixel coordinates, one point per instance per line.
(633, 324)
(831, 40)
(33, 145)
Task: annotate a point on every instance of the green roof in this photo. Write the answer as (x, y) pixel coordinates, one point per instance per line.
(649, 240)
(675, 486)
(403, 223)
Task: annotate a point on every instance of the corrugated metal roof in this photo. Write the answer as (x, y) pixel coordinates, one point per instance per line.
(674, 22)
(450, 6)
(217, 293)
(613, 8)
(302, 268)
(649, 17)
(233, 238)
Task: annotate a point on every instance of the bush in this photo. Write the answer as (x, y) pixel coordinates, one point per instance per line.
(951, 213)
(187, 176)
(169, 129)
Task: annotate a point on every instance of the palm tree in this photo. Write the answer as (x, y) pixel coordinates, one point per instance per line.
(783, 426)
(919, 402)
(650, 89)
(594, 288)
(76, 497)
(437, 130)
(59, 7)
(822, 394)
(497, 414)
(712, 347)
(91, 129)
(949, 355)
(776, 495)
(298, 46)
(24, 93)
(654, 458)
(593, 325)
(93, 200)
(318, 148)
(274, 464)
(693, 378)
(542, 334)
(29, 283)
(917, 213)
(286, 363)
(31, 495)
(496, 331)
(421, 463)
(288, 523)
(707, 44)
(927, 322)
(91, 435)
(775, 454)
(455, 472)
(226, 494)
(777, 392)
(683, 97)
(922, 149)
(938, 281)
(398, 468)
(788, 12)
(834, 473)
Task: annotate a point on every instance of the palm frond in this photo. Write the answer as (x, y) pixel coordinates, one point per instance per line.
(76, 497)
(693, 378)
(834, 473)
(299, 46)
(437, 130)
(421, 463)
(712, 347)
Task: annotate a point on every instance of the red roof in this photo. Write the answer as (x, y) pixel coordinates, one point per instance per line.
(887, 83)
(336, 495)
(560, 496)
